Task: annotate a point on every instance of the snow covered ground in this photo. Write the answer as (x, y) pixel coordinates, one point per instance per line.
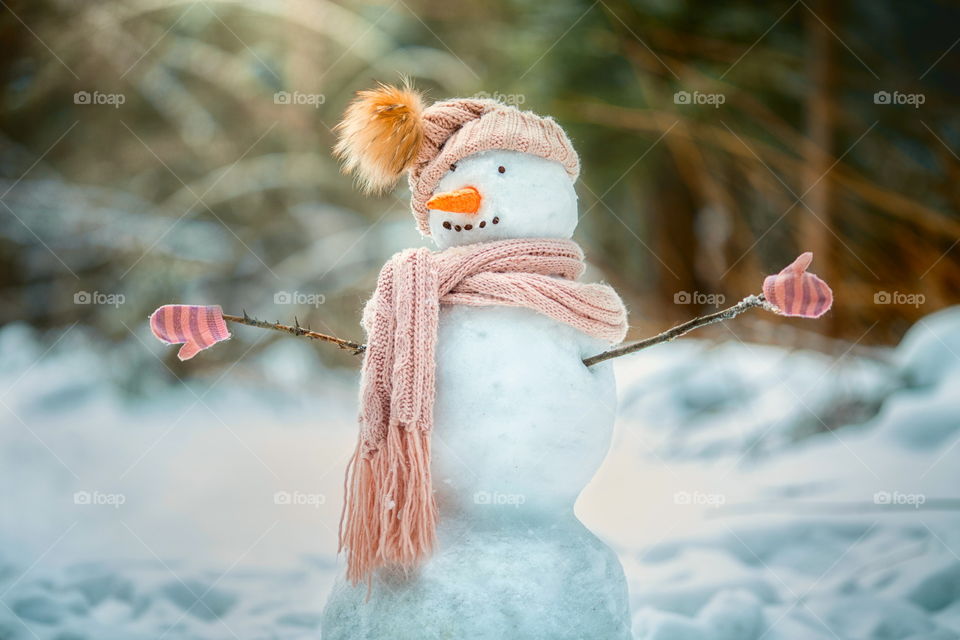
(751, 492)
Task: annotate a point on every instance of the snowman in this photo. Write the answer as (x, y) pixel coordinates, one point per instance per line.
(479, 423)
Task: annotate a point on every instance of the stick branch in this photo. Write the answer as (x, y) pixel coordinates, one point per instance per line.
(750, 302)
(297, 330)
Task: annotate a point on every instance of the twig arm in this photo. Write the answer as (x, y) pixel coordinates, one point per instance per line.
(296, 330)
(750, 302)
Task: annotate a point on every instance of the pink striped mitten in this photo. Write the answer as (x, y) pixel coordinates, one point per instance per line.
(196, 327)
(794, 292)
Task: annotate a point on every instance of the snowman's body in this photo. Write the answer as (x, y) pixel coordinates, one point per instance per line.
(520, 427)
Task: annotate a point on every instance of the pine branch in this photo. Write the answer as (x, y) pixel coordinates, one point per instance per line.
(750, 302)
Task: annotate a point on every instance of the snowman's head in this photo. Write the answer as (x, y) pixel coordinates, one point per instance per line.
(478, 169)
(495, 195)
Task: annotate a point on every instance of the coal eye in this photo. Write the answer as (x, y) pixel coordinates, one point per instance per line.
(502, 169)
(453, 167)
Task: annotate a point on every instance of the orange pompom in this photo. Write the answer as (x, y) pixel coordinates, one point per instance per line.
(380, 135)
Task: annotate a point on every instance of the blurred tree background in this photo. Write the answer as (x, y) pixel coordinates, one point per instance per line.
(180, 152)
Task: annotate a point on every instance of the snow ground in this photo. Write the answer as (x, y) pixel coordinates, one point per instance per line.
(739, 506)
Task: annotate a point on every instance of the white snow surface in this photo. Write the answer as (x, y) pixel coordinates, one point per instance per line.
(750, 492)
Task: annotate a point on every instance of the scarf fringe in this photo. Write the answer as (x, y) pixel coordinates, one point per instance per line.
(390, 514)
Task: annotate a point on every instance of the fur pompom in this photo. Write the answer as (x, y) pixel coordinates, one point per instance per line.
(380, 135)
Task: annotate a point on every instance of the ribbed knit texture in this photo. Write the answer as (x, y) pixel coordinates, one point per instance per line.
(390, 514)
(455, 129)
(196, 327)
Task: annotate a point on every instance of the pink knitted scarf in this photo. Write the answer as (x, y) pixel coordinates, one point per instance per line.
(390, 513)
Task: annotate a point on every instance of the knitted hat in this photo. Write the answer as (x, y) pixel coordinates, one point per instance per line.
(387, 131)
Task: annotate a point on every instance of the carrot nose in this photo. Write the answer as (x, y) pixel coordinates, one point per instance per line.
(466, 200)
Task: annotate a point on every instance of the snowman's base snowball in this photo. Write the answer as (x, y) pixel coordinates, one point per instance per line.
(552, 581)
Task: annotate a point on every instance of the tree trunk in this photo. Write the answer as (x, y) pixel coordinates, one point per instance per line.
(817, 216)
